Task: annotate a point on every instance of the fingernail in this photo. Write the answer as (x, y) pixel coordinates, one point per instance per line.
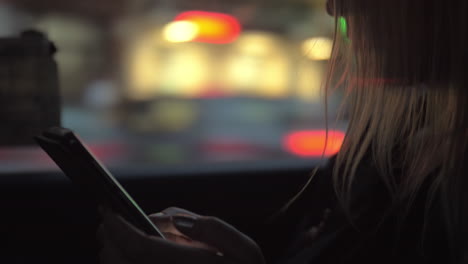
(184, 222)
(158, 215)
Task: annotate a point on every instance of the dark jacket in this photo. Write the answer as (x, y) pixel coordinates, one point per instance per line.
(377, 232)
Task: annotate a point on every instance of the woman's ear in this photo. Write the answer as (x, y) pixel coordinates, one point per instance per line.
(331, 7)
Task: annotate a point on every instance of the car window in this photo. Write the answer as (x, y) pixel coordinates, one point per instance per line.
(169, 83)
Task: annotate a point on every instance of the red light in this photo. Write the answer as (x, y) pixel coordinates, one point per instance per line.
(216, 28)
(312, 143)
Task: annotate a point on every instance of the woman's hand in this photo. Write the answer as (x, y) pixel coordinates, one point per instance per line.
(191, 238)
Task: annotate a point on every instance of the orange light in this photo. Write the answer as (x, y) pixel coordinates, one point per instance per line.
(212, 27)
(312, 143)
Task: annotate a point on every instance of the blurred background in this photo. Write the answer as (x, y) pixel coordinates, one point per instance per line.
(149, 83)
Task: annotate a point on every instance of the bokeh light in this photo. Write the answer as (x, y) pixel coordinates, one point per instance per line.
(180, 31)
(216, 28)
(318, 48)
(257, 65)
(314, 143)
(309, 81)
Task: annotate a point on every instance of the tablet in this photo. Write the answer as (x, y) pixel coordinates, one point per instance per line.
(78, 164)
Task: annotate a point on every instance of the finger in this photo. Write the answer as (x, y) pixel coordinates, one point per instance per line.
(219, 234)
(162, 221)
(172, 211)
(140, 248)
(159, 215)
(164, 224)
(124, 236)
(184, 240)
(181, 240)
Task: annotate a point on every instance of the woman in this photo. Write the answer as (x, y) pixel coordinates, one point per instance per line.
(398, 182)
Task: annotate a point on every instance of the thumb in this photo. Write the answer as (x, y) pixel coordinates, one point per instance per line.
(219, 234)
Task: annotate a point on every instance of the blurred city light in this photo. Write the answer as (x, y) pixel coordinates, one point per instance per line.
(257, 43)
(180, 31)
(182, 69)
(257, 65)
(141, 65)
(187, 71)
(309, 81)
(216, 28)
(261, 77)
(318, 48)
(157, 80)
(314, 143)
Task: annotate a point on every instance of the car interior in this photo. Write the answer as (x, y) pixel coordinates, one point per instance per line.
(214, 106)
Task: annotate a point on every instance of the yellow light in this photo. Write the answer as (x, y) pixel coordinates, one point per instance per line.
(308, 81)
(142, 68)
(159, 69)
(317, 48)
(257, 44)
(215, 28)
(210, 27)
(187, 71)
(180, 31)
(257, 66)
(275, 80)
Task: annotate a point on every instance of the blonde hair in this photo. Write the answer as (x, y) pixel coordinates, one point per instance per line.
(403, 69)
